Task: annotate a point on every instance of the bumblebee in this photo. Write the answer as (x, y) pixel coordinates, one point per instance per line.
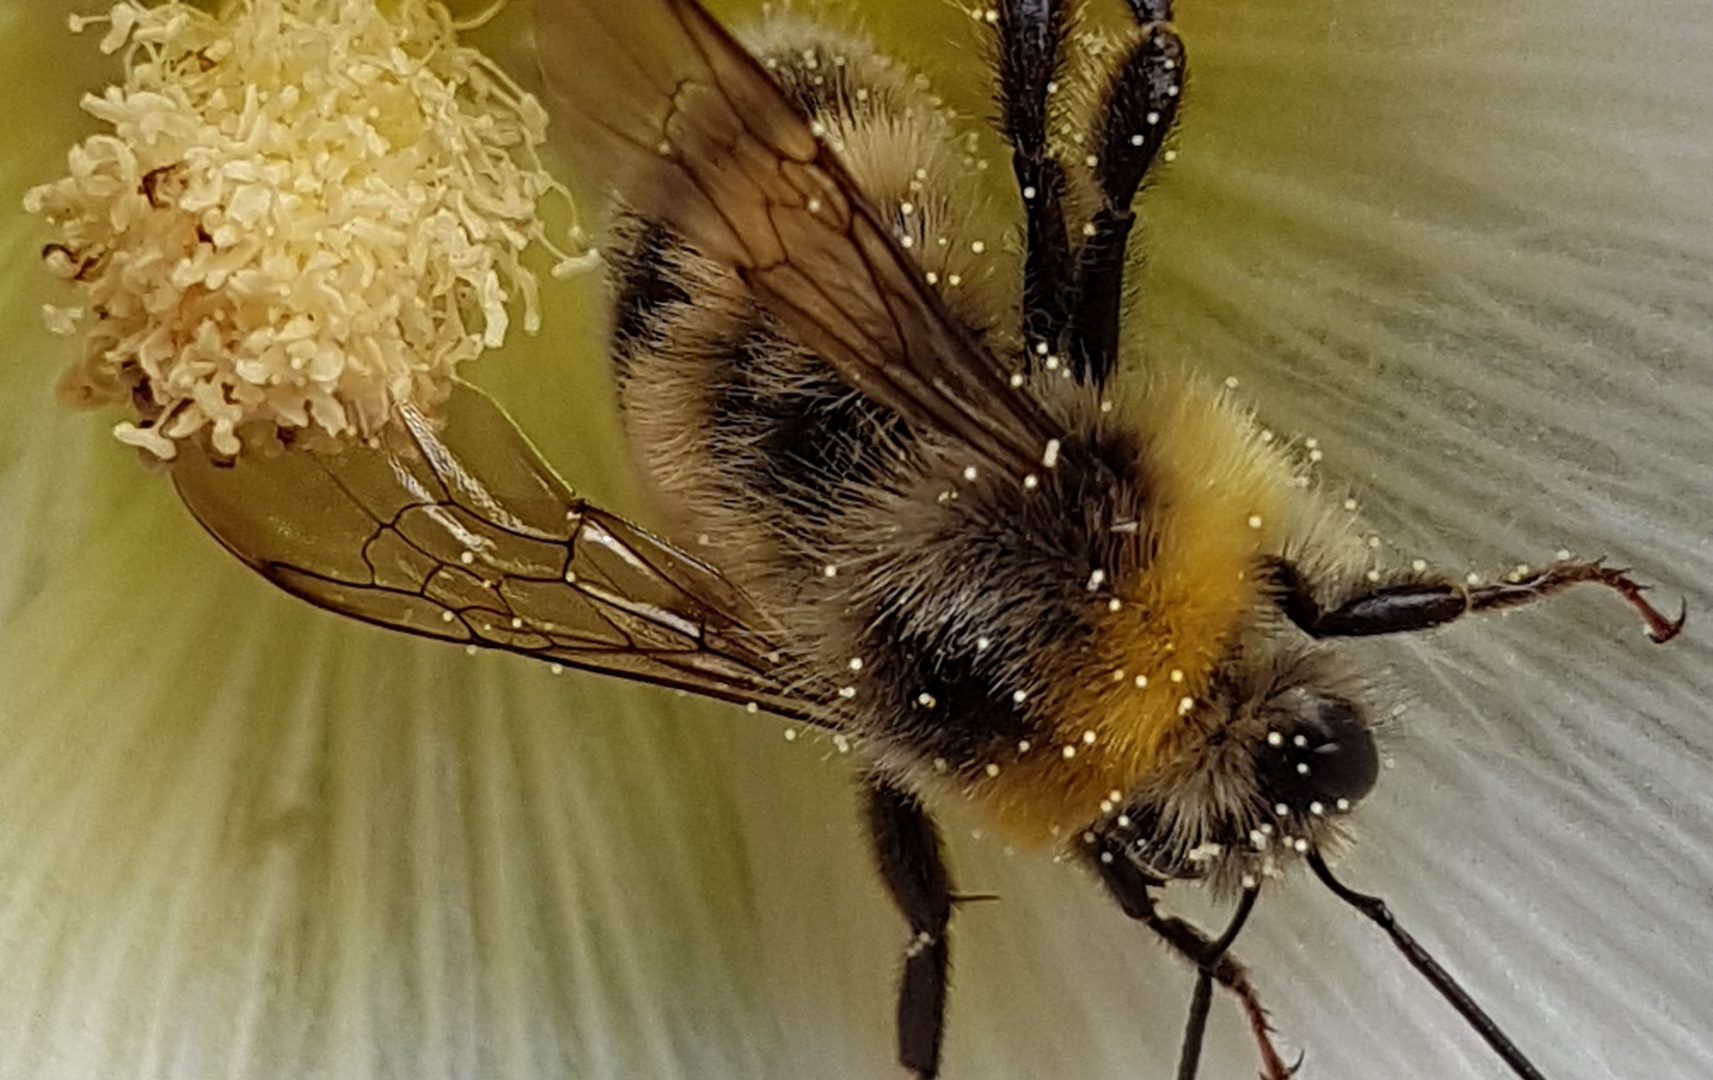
(932, 516)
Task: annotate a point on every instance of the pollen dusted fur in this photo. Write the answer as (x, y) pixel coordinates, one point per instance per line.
(1030, 650)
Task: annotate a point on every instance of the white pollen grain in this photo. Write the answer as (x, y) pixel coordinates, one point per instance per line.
(1254, 521)
(1023, 746)
(1095, 579)
(1031, 482)
(1089, 738)
(992, 769)
(1472, 578)
(1141, 682)
(1114, 604)
(1177, 675)
(856, 663)
(1018, 697)
(556, 669)
(1050, 456)
(830, 571)
(982, 644)
(1069, 752)
(466, 557)
(1185, 705)
(969, 472)
(978, 246)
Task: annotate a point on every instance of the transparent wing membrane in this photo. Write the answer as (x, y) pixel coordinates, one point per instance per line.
(672, 112)
(466, 535)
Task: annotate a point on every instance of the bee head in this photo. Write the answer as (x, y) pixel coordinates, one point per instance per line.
(1267, 768)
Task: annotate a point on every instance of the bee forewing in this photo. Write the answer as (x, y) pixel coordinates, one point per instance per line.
(468, 536)
(658, 99)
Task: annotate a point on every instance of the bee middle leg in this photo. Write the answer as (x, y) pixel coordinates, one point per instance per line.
(909, 852)
(1393, 607)
(1031, 56)
(1211, 957)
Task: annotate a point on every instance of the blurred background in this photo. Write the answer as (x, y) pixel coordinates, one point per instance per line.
(1466, 247)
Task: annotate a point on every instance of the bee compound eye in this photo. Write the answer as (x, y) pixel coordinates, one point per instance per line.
(1318, 751)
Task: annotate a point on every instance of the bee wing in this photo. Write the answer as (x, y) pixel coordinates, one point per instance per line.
(470, 537)
(694, 132)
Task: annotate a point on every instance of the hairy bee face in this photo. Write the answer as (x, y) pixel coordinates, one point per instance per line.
(1282, 751)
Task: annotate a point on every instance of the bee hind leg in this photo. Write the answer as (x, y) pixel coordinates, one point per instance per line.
(908, 850)
(1134, 117)
(1212, 959)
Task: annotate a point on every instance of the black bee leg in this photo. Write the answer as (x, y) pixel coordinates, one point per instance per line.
(1135, 116)
(907, 847)
(1212, 959)
(1401, 606)
(1031, 41)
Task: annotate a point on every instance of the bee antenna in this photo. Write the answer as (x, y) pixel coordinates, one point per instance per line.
(1376, 909)
(1189, 1058)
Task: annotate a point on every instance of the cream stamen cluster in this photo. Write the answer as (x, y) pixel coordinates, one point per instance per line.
(304, 215)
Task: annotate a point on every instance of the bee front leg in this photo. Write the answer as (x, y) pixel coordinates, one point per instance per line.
(1403, 606)
(908, 850)
(1212, 958)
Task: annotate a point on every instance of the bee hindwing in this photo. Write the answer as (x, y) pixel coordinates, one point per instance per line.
(469, 536)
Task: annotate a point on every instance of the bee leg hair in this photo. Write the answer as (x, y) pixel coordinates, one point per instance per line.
(1212, 958)
(908, 849)
(1134, 117)
(1403, 606)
